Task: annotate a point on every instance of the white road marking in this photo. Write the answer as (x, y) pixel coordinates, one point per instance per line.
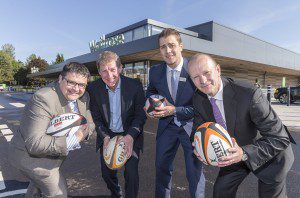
(6, 132)
(9, 137)
(1, 107)
(2, 184)
(3, 126)
(17, 104)
(14, 192)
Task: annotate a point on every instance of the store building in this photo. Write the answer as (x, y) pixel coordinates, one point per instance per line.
(240, 55)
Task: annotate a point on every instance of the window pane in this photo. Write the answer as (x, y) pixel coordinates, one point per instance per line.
(138, 33)
(128, 70)
(127, 36)
(140, 72)
(156, 30)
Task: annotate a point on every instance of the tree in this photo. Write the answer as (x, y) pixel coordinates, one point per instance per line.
(59, 58)
(6, 69)
(30, 58)
(9, 49)
(36, 64)
(21, 76)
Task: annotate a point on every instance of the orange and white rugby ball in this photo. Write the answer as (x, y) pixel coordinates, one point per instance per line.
(114, 155)
(211, 142)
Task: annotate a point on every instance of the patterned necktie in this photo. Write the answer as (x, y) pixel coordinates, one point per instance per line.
(73, 106)
(174, 85)
(217, 113)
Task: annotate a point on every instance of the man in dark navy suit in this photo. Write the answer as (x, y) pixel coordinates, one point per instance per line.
(172, 81)
(117, 108)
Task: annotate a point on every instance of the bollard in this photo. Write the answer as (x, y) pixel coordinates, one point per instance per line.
(288, 102)
(269, 91)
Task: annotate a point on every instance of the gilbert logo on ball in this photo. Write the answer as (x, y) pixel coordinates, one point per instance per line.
(211, 142)
(63, 124)
(154, 101)
(114, 155)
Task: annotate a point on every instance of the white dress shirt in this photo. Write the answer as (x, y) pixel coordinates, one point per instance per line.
(72, 141)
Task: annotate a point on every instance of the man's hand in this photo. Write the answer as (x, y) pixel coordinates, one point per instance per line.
(82, 132)
(105, 143)
(235, 156)
(128, 140)
(145, 109)
(168, 110)
(197, 154)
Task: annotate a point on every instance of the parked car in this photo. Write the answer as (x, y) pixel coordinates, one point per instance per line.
(281, 94)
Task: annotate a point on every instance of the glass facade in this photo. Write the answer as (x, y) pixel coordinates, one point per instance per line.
(137, 70)
(141, 32)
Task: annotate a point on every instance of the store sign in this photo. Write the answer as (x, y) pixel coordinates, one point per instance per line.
(106, 42)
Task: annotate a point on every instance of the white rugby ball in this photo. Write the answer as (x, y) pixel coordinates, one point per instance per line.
(64, 124)
(211, 142)
(114, 155)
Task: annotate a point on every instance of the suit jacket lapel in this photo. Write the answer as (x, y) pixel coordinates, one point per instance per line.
(123, 97)
(63, 107)
(103, 93)
(229, 106)
(81, 107)
(183, 75)
(164, 84)
(208, 109)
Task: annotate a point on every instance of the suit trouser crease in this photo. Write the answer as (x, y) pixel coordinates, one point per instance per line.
(167, 145)
(131, 177)
(229, 179)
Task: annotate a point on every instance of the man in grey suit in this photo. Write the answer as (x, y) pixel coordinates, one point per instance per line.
(38, 155)
(261, 141)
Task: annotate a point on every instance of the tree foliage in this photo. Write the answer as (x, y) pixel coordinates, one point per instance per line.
(9, 49)
(14, 71)
(21, 76)
(6, 69)
(36, 64)
(59, 58)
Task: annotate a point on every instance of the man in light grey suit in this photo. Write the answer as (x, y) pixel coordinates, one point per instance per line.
(38, 155)
(262, 144)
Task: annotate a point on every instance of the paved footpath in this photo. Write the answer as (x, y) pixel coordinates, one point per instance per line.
(290, 115)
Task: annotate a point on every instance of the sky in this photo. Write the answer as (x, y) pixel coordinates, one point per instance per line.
(46, 28)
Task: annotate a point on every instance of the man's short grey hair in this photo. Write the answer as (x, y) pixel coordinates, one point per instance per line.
(106, 57)
(208, 58)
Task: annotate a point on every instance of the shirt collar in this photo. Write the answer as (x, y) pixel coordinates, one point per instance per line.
(177, 68)
(118, 86)
(219, 95)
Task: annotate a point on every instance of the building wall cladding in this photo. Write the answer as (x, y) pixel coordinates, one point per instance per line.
(264, 78)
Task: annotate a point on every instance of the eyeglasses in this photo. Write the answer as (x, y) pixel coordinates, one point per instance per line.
(169, 45)
(73, 84)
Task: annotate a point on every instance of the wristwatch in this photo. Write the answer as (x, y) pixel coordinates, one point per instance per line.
(245, 156)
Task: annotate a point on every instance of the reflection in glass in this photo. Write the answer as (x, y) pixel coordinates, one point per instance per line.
(128, 36)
